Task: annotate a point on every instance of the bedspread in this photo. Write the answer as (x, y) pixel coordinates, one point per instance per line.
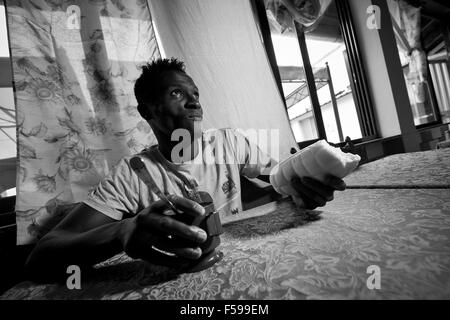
(280, 252)
(418, 169)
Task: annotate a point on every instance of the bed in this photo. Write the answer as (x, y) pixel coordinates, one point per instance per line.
(427, 169)
(278, 251)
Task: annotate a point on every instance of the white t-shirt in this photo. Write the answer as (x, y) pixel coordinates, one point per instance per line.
(224, 156)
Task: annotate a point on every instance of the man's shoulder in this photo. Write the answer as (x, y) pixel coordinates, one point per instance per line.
(148, 155)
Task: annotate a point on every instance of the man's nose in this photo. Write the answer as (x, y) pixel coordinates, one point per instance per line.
(193, 103)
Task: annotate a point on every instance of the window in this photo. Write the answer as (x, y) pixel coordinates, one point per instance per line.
(315, 66)
(422, 41)
(7, 113)
(327, 50)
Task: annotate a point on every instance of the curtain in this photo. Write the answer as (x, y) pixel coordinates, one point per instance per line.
(224, 53)
(74, 66)
(283, 13)
(407, 24)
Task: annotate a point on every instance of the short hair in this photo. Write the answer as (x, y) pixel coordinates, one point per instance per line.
(148, 85)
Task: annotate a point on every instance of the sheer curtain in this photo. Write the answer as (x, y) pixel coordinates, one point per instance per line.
(407, 24)
(283, 13)
(74, 66)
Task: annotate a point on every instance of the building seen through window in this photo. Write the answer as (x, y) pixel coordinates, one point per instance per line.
(326, 52)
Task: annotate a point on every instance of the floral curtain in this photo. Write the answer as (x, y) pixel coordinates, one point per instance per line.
(74, 66)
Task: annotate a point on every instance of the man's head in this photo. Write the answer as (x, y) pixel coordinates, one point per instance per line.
(168, 98)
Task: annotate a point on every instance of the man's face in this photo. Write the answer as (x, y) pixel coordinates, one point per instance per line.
(178, 106)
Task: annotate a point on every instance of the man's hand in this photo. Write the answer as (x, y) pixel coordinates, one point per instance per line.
(155, 229)
(314, 193)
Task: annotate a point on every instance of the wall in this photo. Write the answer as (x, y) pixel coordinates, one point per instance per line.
(384, 73)
(431, 136)
(376, 71)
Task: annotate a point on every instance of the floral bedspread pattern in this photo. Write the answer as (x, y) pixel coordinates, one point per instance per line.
(74, 67)
(295, 254)
(419, 169)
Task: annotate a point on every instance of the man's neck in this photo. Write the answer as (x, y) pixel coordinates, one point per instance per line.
(189, 152)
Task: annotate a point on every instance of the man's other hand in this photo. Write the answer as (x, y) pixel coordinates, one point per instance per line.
(313, 193)
(155, 231)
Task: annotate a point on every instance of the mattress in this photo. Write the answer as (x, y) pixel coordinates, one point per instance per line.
(428, 169)
(280, 252)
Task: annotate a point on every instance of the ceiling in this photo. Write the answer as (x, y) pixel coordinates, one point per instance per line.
(435, 15)
(435, 18)
(436, 9)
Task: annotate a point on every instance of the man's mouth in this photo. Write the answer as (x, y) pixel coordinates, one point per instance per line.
(196, 116)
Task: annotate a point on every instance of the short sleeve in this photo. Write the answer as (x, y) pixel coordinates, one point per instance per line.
(118, 194)
(253, 161)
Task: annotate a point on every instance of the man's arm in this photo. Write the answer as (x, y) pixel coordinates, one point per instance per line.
(86, 237)
(265, 178)
(313, 193)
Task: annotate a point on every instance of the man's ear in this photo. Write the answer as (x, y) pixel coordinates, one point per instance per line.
(144, 111)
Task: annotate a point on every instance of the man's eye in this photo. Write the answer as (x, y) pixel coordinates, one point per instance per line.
(177, 93)
(196, 96)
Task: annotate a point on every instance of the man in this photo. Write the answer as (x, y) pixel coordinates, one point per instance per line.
(122, 214)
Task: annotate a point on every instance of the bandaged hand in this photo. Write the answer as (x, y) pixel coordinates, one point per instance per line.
(313, 193)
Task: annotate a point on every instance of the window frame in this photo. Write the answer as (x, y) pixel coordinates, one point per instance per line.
(363, 101)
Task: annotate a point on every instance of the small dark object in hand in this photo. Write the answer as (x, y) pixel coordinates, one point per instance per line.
(211, 223)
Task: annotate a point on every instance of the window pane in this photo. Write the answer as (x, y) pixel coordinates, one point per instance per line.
(293, 79)
(325, 46)
(326, 50)
(4, 48)
(7, 106)
(410, 34)
(441, 83)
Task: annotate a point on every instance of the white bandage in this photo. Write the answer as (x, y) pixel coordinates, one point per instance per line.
(315, 161)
